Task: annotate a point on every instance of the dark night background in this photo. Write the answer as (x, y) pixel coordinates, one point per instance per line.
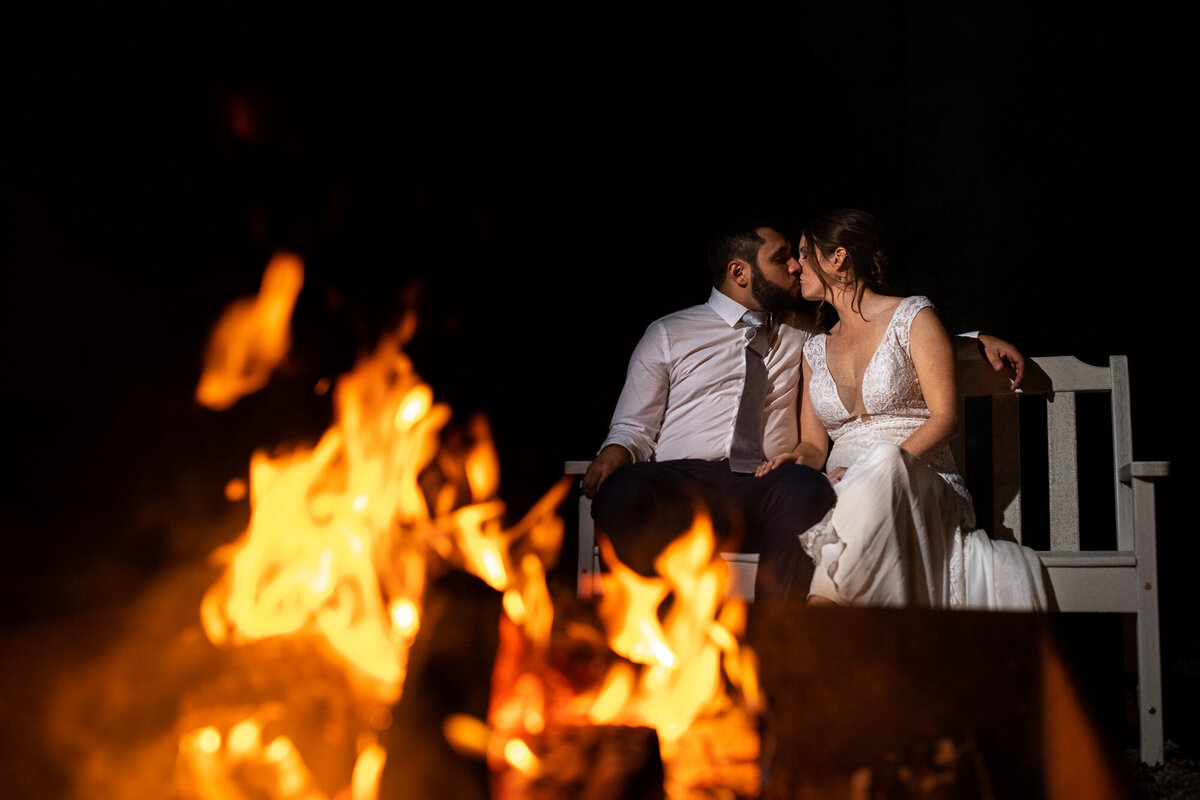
(478, 165)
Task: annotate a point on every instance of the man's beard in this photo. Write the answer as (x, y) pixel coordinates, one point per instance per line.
(770, 296)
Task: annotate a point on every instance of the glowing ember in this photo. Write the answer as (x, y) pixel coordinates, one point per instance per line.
(241, 764)
(218, 766)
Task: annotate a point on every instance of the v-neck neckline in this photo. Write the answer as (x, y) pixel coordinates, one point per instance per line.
(878, 346)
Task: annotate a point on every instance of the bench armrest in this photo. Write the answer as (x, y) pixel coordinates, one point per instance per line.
(1150, 470)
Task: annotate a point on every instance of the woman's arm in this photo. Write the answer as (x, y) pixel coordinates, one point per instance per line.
(814, 442)
(933, 356)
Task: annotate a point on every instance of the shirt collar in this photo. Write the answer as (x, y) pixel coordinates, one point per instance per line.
(728, 309)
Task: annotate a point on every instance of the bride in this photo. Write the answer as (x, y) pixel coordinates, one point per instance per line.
(880, 384)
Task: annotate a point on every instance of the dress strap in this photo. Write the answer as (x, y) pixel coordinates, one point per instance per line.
(814, 351)
(904, 315)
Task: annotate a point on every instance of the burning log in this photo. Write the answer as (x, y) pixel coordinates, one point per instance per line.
(449, 673)
(719, 757)
(542, 743)
(649, 689)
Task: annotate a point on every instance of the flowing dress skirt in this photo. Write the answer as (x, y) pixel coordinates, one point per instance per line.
(901, 534)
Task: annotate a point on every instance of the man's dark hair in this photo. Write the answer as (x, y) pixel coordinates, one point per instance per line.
(735, 237)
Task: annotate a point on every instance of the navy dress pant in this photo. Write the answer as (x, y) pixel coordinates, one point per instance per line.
(644, 506)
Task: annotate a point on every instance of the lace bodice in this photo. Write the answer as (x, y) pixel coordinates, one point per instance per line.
(891, 396)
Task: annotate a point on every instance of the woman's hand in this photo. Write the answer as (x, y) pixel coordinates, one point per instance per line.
(767, 466)
(835, 475)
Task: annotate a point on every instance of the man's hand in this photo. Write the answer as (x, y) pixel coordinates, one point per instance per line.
(606, 462)
(1000, 353)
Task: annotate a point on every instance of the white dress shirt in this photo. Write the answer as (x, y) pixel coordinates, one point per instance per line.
(680, 398)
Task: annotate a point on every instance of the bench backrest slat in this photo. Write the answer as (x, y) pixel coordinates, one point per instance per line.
(1063, 458)
(1059, 379)
(1122, 422)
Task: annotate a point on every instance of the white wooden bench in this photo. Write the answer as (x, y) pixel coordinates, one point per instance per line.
(1122, 578)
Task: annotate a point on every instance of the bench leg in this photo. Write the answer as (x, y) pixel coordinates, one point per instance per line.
(1149, 657)
(588, 569)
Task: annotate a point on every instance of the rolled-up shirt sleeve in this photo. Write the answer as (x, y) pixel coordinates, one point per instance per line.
(638, 417)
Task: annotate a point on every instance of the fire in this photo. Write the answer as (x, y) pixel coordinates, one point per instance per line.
(681, 673)
(687, 657)
(222, 766)
(344, 534)
(252, 337)
(339, 534)
(343, 537)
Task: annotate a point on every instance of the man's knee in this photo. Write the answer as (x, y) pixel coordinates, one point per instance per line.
(641, 508)
(635, 489)
(799, 485)
(793, 498)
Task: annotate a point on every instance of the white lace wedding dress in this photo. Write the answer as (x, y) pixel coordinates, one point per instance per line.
(902, 532)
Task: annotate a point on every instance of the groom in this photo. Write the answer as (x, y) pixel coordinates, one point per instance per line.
(667, 453)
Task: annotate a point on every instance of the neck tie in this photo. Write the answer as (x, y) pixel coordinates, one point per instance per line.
(746, 452)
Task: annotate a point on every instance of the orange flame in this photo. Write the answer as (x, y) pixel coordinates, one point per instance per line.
(342, 533)
(688, 658)
(336, 542)
(680, 670)
(252, 337)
